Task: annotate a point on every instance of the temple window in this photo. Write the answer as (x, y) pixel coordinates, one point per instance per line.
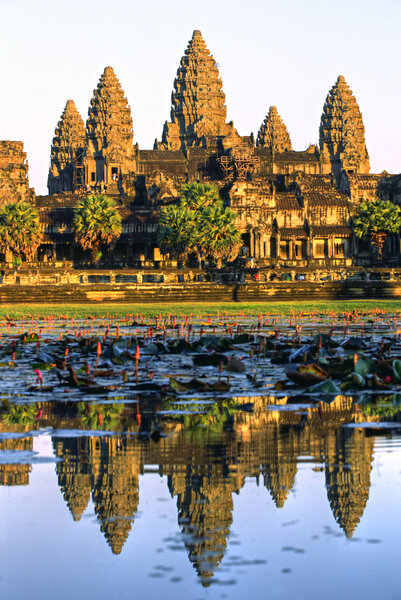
(321, 248)
(93, 176)
(285, 249)
(339, 248)
(363, 246)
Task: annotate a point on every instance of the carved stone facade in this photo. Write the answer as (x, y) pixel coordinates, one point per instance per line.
(67, 152)
(110, 150)
(273, 133)
(14, 182)
(294, 207)
(342, 133)
(198, 113)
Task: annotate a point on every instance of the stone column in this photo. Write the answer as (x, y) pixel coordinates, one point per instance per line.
(251, 243)
(257, 245)
(267, 239)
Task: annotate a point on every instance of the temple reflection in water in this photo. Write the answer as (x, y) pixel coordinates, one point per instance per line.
(204, 467)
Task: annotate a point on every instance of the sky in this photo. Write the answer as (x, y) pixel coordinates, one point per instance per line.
(286, 53)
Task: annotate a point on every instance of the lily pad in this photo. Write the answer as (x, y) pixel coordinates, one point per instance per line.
(307, 375)
(325, 387)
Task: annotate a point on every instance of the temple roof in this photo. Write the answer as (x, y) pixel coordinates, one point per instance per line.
(342, 133)
(198, 101)
(109, 124)
(287, 201)
(289, 232)
(328, 230)
(293, 156)
(332, 198)
(273, 133)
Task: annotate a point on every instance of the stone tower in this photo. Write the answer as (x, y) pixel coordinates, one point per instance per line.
(205, 505)
(66, 161)
(14, 179)
(273, 133)
(110, 151)
(342, 134)
(280, 470)
(198, 113)
(74, 473)
(348, 465)
(115, 492)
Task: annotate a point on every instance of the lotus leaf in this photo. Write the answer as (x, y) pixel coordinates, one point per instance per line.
(307, 375)
(325, 387)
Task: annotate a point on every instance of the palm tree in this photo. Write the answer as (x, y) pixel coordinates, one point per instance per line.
(196, 196)
(377, 220)
(96, 222)
(177, 232)
(20, 231)
(219, 237)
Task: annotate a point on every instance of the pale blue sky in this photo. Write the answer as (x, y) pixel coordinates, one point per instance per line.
(287, 53)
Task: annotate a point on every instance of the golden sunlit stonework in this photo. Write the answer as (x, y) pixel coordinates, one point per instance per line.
(273, 133)
(294, 208)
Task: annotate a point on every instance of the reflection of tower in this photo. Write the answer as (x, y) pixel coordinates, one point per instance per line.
(74, 473)
(116, 487)
(204, 502)
(280, 470)
(15, 474)
(348, 465)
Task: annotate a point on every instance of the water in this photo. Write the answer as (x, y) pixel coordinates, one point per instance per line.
(285, 504)
(128, 493)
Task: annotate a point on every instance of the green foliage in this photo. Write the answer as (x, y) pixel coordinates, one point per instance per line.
(177, 231)
(20, 231)
(197, 417)
(376, 220)
(36, 311)
(100, 416)
(20, 414)
(200, 224)
(96, 222)
(219, 237)
(197, 196)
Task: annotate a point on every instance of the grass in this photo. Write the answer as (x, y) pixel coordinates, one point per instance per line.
(202, 308)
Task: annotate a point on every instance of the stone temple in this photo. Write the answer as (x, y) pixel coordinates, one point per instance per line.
(294, 208)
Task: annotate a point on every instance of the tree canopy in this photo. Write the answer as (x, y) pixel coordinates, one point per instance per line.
(200, 223)
(20, 231)
(96, 222)
(197, 196)
(177, 231)
(219, 237)
(377, 220)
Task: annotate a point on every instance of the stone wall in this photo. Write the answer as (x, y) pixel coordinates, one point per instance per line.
(14, 182)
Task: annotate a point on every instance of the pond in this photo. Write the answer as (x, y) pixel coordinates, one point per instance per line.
(207, 457)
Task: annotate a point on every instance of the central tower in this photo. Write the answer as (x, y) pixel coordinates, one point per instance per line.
(198, 112)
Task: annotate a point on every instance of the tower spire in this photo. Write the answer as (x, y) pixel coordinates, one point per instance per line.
(273, 133)
(198, 112)
(342, 133)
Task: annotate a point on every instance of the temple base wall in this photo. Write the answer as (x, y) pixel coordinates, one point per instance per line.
(153, 293)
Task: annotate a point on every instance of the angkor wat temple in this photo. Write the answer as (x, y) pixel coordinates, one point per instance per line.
(294, 207)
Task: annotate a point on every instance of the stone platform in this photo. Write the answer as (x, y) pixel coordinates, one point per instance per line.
(149, 293)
